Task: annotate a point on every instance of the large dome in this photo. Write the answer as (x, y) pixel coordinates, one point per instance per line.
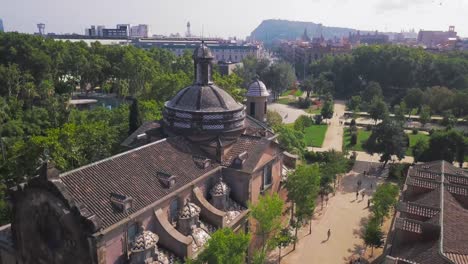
(203, 111)
(198, 98)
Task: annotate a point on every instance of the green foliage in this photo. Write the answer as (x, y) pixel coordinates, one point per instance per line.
(448, 145)
(354, 103)
(373, 235)
(303, 103)
(232, 84)
(414, 98)
(327, 109)
(371, 91)
(290, 139)
(303, 186)
(384, 199)
(273, 119)
(387, 138)
(225, 246)
(135, 120)
(378, 109)
(425, 115)
(397, 172)
(448, 120)
(267, 214)
(307, 85)
(302, 122)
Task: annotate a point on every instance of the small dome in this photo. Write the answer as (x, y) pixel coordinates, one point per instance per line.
(189, 210)
(202, 52)
(257, 88)
(220, 188)
(144, 240)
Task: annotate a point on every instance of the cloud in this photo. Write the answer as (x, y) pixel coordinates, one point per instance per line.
(392, 5)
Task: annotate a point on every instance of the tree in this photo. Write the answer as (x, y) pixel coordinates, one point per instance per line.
(354, 103)
(273, 119)
(327, 109)
(373, 235)
(303, 185)
(419, 150)
(387, 138)
(225, 246)
(279, 77)
(291, 140)
(323, 85)
(414, 98)
(303, 122)
(307, 85)
(448, 120)
(425, 115)
(446, 145)
(135, 120)
(267, 214)
(282, 239)
(371, 91)
(400, 112)
(378, 109)
(384, 199)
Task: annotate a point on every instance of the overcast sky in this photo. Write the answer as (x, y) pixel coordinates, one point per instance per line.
(226, 18)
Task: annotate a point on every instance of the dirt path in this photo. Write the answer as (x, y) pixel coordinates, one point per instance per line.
(344, 216)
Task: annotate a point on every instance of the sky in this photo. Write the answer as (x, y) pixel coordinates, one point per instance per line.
(226, 18)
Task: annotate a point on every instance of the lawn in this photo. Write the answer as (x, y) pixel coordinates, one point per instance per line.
(296, 92)
(314, 135)
(314, 111)
(284, 100)
(363, 135)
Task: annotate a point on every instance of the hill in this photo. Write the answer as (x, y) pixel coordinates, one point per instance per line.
(275, 29)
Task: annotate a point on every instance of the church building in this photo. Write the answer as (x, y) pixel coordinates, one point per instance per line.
(181, 179)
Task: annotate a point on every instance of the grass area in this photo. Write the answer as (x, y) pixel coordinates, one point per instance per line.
(313, 111)
(297, 92)
(284, 100)
(314, 135)
(363, 135)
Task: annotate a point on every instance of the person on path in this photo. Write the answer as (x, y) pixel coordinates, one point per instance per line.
(326, 201)
(357, 195)
(328, 234)
(362, 195)
(368, 203)
(371, 186)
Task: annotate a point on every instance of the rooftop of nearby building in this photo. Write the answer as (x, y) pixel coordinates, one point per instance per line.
(431, 225)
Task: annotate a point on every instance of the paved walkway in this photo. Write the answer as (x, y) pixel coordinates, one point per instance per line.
(334, 136)
(344, 216)
(288, 113)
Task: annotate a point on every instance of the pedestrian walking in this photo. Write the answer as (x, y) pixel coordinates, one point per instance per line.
(362, 195)
(357, 195)
(368, 203)
(328, 234)
(326, 201)
(371, 186)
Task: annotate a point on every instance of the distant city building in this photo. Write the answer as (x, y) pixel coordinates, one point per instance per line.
(41, 29)
(303, 52)
(140, 31)
(431, 220)
(1, 25)
(188, 34)
(226, 68)
(126, 26)
(368, 39)
(434, 39)
(121, 31)
(223, 50)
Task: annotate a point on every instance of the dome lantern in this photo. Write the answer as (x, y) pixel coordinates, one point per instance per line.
(257, 100)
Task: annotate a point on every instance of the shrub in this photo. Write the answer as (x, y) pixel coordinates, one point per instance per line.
(303, 103)
(318, 119)
(369, 127)
(353, 122)
(353, 139)
(415, 131)
(397, 172)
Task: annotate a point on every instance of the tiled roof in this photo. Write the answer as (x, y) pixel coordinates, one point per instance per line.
(132, 174)
(135, 174)
(130, 141)
(448, 208)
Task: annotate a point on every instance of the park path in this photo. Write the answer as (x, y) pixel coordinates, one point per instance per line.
(334, 136)
(287, 112)
(344, 216)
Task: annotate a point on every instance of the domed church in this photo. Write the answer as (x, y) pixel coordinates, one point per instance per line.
(181, 179)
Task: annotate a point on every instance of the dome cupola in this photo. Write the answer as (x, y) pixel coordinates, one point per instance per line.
(257, 89)
(204, 112)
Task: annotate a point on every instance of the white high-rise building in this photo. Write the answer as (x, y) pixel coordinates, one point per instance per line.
(140, 31)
